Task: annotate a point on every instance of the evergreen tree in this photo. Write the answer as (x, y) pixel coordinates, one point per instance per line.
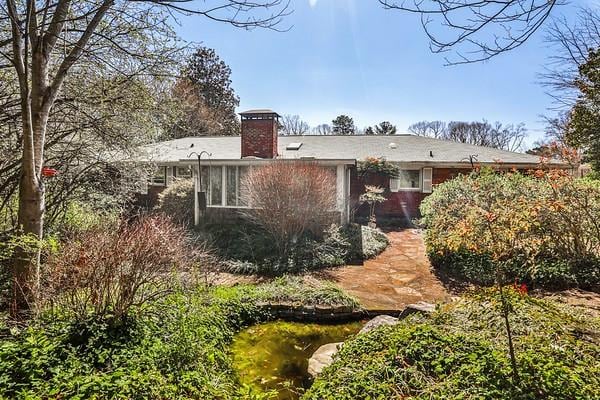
(385, 128)
(343, 125)
(583, 130)
(208, 101)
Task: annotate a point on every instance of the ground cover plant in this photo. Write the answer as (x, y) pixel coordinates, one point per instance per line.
(176, 347)
(460, 353)
(542, 230)
(247, 248)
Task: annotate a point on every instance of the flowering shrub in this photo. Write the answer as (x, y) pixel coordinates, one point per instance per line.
(374, 165)
(372, 196)
(542, 229)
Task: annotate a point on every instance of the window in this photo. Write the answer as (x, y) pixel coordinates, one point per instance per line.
(224, 185)
(408, 179)
(242, 172)
(183, 172)
(216, 186)
(232, 186)
(205, 178)
(159, 177)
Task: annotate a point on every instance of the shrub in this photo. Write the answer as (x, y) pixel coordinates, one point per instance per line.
(248, 251)
(290, 199)
(459, 353)
(109, 269)
(377, 166)
(304, 291)
(176, 347)
(541, 230)
(177, 201)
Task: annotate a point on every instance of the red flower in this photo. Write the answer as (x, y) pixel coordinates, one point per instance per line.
(521, 289)
(49, 172)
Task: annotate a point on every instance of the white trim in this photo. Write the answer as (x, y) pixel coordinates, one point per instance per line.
(427, 179)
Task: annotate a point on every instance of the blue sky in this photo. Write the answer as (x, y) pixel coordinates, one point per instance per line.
(352, 57)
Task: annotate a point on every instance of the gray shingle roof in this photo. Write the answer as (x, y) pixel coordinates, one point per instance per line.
(398, 148)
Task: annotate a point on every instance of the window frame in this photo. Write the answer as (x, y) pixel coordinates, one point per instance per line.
(183, 176)
(152, 179)
(397, 188)
(224, 186)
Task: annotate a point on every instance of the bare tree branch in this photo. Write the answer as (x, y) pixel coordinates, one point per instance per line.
(479, 29)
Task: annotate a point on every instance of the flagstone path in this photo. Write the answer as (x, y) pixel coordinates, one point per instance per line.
(399, 276)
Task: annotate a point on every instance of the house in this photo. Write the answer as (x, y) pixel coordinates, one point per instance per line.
(423, 162)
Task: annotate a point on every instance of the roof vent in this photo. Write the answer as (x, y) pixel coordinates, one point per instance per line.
(393, 145)
(294, 146)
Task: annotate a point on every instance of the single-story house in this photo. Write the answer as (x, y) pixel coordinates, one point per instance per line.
(424, 163)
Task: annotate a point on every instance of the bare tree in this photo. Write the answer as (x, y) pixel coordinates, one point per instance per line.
(293, 125)
(323, 129)
(434, 129)
(571, 43)
(43, 42)
(507, 137)
(290, 198)
(477, 29)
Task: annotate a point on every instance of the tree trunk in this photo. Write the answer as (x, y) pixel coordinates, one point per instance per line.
(27, 258)
(26, 264)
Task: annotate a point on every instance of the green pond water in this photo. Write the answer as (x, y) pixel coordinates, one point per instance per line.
(274, 355)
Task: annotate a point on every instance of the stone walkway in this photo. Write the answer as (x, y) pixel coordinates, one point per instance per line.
(399, 276)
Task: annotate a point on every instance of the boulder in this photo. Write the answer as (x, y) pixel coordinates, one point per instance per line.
(378, 321)
(421, 307)
(322, 358)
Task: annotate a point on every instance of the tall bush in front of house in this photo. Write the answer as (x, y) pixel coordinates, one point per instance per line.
(290, 199)
(540, 229)
(177, 201)
(109, 269)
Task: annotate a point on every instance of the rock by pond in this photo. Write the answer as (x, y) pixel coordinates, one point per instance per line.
(274, 355)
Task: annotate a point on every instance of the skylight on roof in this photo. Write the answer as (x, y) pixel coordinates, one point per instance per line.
(294, 146)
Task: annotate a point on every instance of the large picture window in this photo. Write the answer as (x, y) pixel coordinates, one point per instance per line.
(224, 185)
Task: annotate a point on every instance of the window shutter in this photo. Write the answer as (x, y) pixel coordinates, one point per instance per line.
(394, 184)
(427, 179)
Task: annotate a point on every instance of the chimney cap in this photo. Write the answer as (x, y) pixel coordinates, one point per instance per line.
(259, 111)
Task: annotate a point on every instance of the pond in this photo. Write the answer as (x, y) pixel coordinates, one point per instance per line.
(274, 355)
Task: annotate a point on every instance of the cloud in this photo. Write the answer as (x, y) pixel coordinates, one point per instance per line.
(312, 3)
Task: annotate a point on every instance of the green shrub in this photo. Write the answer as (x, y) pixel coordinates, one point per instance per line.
(173, 348)
(177, 201)
(299, 291)
(540, 230)
(247, 248)
(460, 353)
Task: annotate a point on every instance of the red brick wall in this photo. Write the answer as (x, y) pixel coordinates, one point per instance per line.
(259, 138)
(403, 204)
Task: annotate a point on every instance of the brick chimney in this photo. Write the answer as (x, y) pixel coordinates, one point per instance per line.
(259, 133)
